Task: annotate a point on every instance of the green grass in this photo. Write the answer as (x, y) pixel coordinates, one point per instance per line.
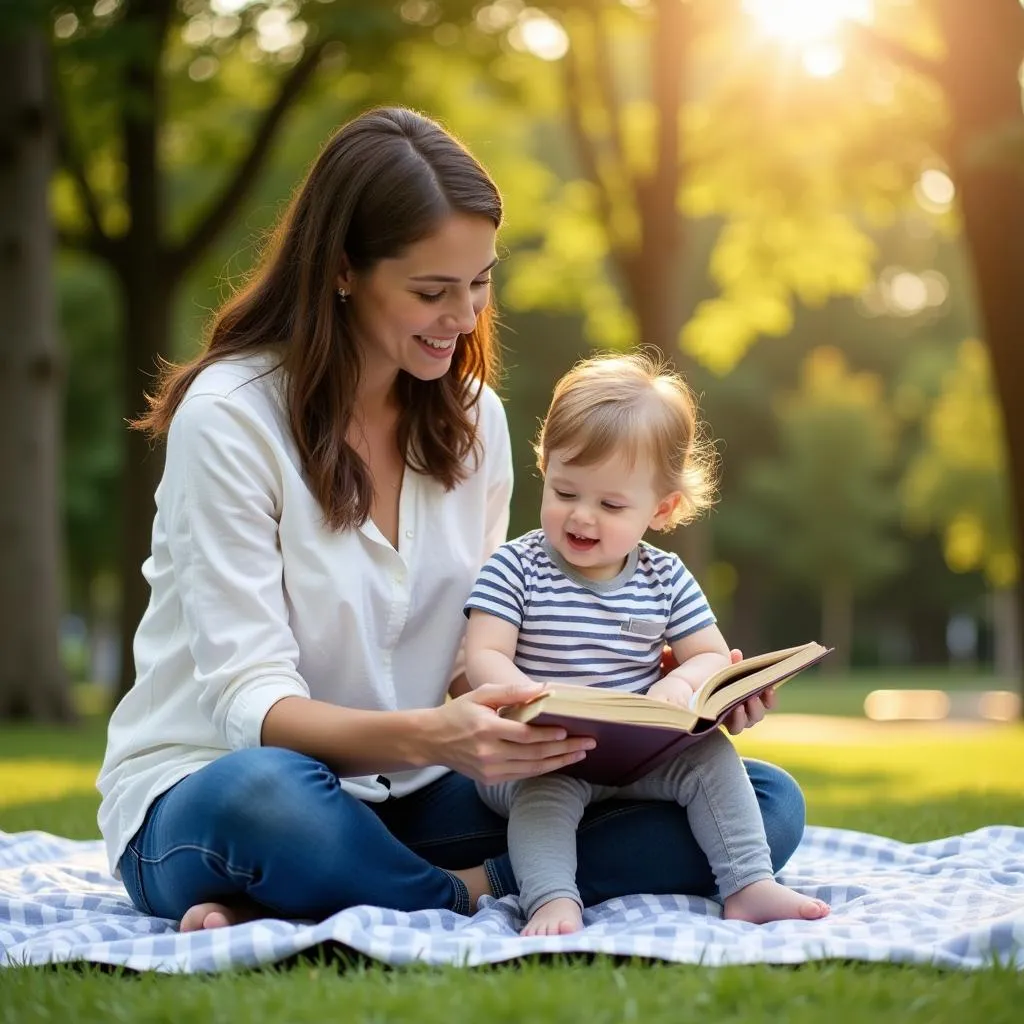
(818, 693)
(912, 786)
(566, 991)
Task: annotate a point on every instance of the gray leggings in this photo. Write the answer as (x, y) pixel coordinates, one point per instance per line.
(708, 779)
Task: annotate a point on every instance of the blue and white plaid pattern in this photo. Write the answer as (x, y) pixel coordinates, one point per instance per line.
(956, 902)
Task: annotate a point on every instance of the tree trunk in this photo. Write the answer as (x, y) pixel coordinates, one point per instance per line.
(32, 681)
(654, 298)
(927, 627)
(837, 624)
(745, 626)
(148, 288)
(147, 306)
(651, 274)
(1006, 634)
(980, 76)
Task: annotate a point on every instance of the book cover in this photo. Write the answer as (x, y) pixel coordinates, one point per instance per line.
(634, 733)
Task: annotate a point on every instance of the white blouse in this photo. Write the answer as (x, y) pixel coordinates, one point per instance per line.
(253, 599)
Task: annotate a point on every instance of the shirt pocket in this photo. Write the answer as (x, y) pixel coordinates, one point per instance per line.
(643, 629)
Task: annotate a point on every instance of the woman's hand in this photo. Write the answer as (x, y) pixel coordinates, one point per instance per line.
(746, 714)
(469, 736)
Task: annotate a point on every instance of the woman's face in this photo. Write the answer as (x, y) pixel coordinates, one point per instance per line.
(410, 312)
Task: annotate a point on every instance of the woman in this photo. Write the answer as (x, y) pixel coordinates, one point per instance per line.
(337, 470)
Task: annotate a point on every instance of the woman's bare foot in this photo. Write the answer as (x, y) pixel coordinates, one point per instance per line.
(476, 882)
(560, 916)
(767, 900)
(218, 915)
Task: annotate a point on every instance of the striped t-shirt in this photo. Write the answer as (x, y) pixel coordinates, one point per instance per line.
(607, 633)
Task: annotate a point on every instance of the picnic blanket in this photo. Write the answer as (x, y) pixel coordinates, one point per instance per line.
(955, 902)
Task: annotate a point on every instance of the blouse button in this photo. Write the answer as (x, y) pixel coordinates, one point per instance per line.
(408, 534)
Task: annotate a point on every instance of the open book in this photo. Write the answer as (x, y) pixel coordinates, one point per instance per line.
(635, 732)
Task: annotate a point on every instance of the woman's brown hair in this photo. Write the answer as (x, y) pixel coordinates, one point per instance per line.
(383, 182)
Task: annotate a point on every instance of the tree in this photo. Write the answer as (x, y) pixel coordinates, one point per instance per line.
(822, 509)
(32, 682)
(795, 171)
(957, 486)
(139, 81)
(980, 79)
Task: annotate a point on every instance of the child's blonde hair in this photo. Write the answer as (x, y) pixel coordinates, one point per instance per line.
(636, 405)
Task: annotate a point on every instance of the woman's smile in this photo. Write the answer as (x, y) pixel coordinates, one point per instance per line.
(439, 348)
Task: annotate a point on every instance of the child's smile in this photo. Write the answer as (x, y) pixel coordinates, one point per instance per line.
(595, 515)
(578, 543)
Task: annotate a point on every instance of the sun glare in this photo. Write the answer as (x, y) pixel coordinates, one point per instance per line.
(803, 22)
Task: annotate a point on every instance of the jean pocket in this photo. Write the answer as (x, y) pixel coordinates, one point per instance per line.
(131, 875)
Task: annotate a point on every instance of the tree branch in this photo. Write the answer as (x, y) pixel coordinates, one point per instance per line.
(227, 203)
(89, 244)
(895, 51)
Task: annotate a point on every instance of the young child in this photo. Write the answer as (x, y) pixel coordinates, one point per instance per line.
(585, 600)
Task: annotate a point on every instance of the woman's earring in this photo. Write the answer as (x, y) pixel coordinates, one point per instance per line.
(343, 295)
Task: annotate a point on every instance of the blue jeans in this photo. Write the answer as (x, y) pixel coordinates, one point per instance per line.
(272, 826)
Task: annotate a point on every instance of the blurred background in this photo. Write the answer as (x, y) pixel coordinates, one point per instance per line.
(815, 208)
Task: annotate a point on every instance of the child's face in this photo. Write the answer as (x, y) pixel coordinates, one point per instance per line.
(595, 515)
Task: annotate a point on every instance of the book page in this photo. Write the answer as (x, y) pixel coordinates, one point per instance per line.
(774, 670)
(588, 702)
(742, 669)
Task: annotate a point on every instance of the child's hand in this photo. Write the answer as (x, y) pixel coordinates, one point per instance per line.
(672, 689)
(749, 713)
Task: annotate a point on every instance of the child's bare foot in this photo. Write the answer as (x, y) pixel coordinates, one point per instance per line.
(560, 916)
(218, 915)
(476, 882)
(767, 900)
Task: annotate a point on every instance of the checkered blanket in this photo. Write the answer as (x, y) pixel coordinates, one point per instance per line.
(956, 902)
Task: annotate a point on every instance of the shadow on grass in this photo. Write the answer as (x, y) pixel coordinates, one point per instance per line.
(881, 811)
(921, 819)
(82, 743)
(72, 816)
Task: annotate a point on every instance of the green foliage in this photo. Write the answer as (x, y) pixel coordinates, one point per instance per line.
(801, 171)
(219, 73)
(566, 271)
(822, 510)
(810, 179)
(957, 483)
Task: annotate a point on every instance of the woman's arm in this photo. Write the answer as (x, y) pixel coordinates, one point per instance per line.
(465, 734)
(220, 497)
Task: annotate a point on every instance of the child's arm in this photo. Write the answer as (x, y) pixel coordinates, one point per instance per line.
(700, 655)
(459, 686)
(490, 649)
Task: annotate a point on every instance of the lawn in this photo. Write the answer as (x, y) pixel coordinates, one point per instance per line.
(912, 785)
(820, 693)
